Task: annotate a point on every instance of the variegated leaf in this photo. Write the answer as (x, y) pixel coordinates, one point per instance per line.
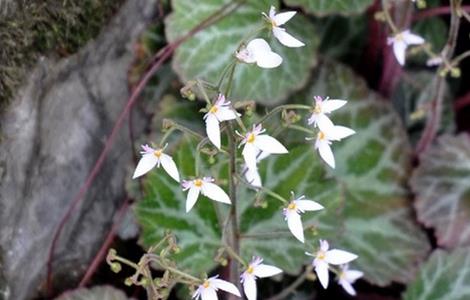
(94, 293)
(328, 7)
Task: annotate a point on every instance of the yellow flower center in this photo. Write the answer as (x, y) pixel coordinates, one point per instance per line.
(250, 270)
(321, 136)
(158, 153)
(317, 109)
(273, 23)
(399, 37)
(213, 109)
(206, 284)
(291, 206)
(251, 138)
(321, 255)
(198, 182)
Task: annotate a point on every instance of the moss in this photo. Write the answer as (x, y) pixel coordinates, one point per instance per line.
(42, 27)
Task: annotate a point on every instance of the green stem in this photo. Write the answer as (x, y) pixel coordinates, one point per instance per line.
(281, 108)
(388, 18)
(301, 128)
(166, 136)
(184, 129)
(233, 254)
(203, 92)
(265, 190)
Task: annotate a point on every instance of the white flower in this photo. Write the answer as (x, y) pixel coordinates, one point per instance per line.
(401, 41)
(292, 215)
(326, 135)
(207, 188)
(154, 157)
(255, 141)
(280, 33)
(347, 277)
(258, 51)
(219, 112)
(323, 107)
(434, 61)
(324, 257)
(256, 269)
(252, 175)
(208, 290)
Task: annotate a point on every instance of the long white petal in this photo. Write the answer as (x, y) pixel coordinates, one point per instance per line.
(268, 60)
(253, 177)
(209, 294)
(258, 46)
(286, 39)
(339, 257)
(339, 133)
(215, 193)
(249, 154)
(226, 286)
(213, 130)
(191, 199)
(225, 114)
(347, 287)
(308, 205)
(249, 287)
(282, 18)
(269, 144)
(399, 49)
(263, 271)
(169, 166)
(326, 154)
(331, 105)
(146, 163)
(324, 123)
(353, 275)
(295, 225)
(412, 39)
(322, 273)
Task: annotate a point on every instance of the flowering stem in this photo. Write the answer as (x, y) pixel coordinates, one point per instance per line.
(224, 73)
(300, 128)
(265, 190)
(183, 128)
(294, 285)
(203, 92)
(156, 259)
(233, 254)
(388, 18)
(281, 108)
(166, 136)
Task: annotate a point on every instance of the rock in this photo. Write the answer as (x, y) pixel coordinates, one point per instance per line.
(50, 137)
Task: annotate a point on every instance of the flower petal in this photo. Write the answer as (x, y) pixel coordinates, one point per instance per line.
(253, 177)
(330, 105)
(225, 114)
(339, 257)
(308, 205)
(324, 123)
(353, 275)
(269, 144)
(146, 163)
(282, 18)
(295, 225)
(268, 60)
(226, 286)
(263, 271)
(326, 154)
(338, 133)
(347, 287)
(169, 166)
(412, 39)
(399, 49)
(249, 154)
(322, 273)
(258, 46)
(249, 287)
(191, 199)
(213, 129)
(215, 193)
(209, 294)
(286, 39)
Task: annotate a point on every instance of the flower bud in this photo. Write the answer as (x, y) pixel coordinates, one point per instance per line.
(128, 281)
(116, 267)
(455, 72)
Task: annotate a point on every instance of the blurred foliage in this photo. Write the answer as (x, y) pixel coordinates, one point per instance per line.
(331, 7)
(95, 293)
(35, 28)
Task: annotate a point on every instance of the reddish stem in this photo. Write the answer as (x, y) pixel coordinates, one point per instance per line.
(437, 11)
(462, 102)
(104, 248)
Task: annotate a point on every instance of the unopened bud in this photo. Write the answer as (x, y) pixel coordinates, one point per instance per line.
(144, 281)
(176, 249)
(116, 267)
(455, 72)
(421, 4)
(211, 160)
(223, 262)
(379, 16)
(128, 281)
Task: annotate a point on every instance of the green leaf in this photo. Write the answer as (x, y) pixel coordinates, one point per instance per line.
(206, 54)
(445, 276)
(442, 187)
(331, 7)
(95, 293)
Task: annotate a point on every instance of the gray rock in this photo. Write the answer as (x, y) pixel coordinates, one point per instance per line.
(50, 137)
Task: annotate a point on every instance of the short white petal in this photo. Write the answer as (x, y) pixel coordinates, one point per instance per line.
(272, 12)
(353, 275)
(215, 193)
(249, 287)
(268, 60)
(286, 39)
(261, 155)
(213, 130)
(339, 257)
(169, 166)
(412, 39)
(258, 46)
(399, 49)
(209, 294)
(146, 163)
(295, 225)
(191, 199)
(263, 271)
(347, 287)
(226, 286)
(324, 123)
(322, 273)
(282, 18)
(249, 154)
(326, 154)
(339, 132)
(308, 205)
(269, 144)
(225, 114)
(253, 177)
(331, 105)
